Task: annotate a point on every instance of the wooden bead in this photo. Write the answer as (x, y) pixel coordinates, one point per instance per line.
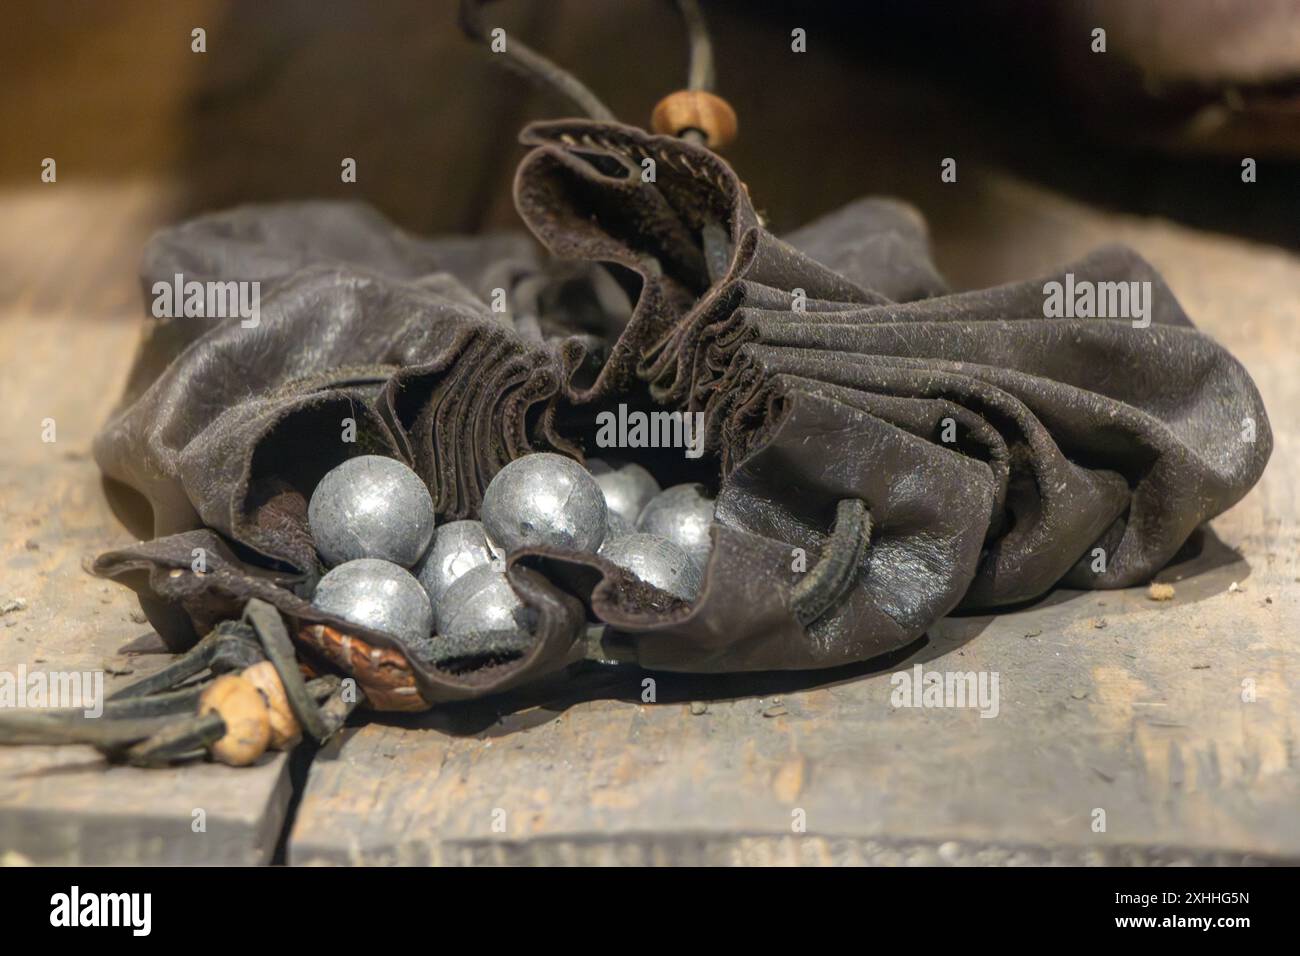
(285, 729)
(247, 719)
(695, 109)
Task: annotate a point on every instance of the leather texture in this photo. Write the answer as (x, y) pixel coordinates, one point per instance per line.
(994, 448)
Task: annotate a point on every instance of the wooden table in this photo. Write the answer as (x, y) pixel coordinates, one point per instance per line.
(66, 339)
(1109, 701)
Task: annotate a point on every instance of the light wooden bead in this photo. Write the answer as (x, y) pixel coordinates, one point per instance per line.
(247, 719)
(695, 109)
(285, 729)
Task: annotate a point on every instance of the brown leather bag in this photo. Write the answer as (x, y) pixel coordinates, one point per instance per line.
(926, 450)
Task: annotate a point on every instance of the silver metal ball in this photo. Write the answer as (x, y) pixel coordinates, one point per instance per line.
(378, 595)
(656, 561)
(458, 547)
(482, 603)
(683, 515)
(544, 499)
(616, 524)
(371, 507)
(627, 488)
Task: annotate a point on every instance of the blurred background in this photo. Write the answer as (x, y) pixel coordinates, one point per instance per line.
(146, 132)
(1157, 124)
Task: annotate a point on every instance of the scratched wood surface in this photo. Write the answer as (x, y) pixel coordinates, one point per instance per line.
(1108, 700)
(66, 338)
(145, 133)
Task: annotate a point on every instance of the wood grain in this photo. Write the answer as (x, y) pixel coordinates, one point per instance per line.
(66, 340)
(1142, 717)
(1108, 700)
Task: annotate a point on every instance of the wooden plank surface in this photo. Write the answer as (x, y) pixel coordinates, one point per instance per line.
(1109, 701)
(67, 331)
(1141, 717)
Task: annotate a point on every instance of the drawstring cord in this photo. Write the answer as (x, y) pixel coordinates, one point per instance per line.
(526, 61)
(139, 723)
(828, 580)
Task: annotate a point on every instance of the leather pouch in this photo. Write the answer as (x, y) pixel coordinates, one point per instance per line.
(883, 450)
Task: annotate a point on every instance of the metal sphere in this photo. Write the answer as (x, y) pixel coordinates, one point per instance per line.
(544, 499)
(377, 595)
(656, 561)
(616, 524)
(458, 547)
(683, 515)
(371, 507)
(480, 604)
(627, 488)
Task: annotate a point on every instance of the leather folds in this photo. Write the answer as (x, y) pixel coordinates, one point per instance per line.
(995, 449)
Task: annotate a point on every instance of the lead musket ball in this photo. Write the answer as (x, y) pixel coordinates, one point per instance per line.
(547, 500)
(683, 514)
(627, 488)
(481, 603)
(371, 507)
(616, 524)
(377, 595)
(458, 547)
(656, 561)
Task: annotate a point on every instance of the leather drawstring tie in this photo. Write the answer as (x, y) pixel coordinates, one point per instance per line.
(694, 114)
(829, 579)
(139, 723)
(533, 66)
(268, 624)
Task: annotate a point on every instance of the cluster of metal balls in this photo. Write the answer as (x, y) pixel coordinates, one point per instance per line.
(396, 571)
